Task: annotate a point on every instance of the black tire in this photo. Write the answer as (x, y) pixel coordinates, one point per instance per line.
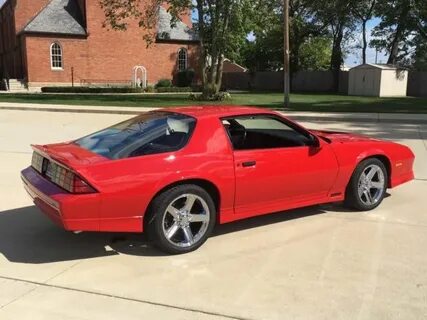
(154, 222)
(352, 198)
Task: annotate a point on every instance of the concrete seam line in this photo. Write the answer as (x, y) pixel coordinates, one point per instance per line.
(422, 138)
(337, 216)
(63, 271)
(18, 298)
(125, 298)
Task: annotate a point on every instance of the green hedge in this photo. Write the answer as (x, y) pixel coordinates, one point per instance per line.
(185, 78)
(114, 90)
(163, 83)
(91, 90)
(174, 89)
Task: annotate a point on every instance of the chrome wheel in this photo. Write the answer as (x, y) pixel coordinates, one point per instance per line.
(186, 220)
(371, 185)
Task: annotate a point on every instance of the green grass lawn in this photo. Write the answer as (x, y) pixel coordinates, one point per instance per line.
(299, 102)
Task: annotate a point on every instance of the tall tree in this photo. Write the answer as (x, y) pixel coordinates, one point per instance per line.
(222, 27)
(266, 52)
(340, 19)
(363, 10)
(401, 21)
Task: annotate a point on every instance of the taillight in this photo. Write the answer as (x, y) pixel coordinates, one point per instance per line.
(37, 162)
(81, 186)
(66, 179)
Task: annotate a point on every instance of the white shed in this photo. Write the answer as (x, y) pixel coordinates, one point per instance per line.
(377, 80)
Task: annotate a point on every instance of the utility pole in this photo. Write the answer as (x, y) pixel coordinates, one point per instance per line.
(286, 50)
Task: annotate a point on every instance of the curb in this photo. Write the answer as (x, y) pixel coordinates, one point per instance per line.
(69, 110)
(298, 116)
(373, 119)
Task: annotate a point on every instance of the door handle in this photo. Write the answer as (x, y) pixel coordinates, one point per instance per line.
(248, 164)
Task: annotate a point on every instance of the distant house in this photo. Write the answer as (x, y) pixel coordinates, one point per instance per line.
(377, 80)
(230, 66)
(63, 42)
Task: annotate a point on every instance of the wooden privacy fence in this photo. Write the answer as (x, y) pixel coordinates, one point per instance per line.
(302, 81)
(417, 83)
(310, 81)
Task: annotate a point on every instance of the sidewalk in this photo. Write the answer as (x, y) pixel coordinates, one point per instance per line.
(302, 116)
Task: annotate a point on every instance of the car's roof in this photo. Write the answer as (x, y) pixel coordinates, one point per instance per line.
(217, 111)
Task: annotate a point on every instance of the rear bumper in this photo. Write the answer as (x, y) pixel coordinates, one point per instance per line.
(71, 212)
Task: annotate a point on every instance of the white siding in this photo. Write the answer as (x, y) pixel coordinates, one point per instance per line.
(394, 83)
(377, 81)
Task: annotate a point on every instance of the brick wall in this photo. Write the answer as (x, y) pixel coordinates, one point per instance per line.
(25, 10)
(14, 15)
(8, 40)
(75, 54)
(113, 54)
(105, 55)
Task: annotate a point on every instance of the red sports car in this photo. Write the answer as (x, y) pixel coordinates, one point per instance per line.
(174, 173)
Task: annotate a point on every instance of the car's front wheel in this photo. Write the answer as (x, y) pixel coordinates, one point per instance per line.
(181, 219)
(368, 185)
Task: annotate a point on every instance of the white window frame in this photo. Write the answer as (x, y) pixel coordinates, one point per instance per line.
(61, 55)
(182, 60)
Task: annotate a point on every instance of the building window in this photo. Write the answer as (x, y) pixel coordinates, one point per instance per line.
(182, 59)
(56, 56)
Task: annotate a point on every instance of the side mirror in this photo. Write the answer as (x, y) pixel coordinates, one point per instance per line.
(314, 141)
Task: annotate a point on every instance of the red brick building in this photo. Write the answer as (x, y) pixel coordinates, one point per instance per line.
(63, 42)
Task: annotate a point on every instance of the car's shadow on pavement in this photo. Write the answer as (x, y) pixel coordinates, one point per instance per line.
(27, 236)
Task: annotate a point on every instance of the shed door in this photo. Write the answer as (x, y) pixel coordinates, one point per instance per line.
(368, 87)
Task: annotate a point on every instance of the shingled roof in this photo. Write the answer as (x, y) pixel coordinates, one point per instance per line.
(58, 17)
(180, 32)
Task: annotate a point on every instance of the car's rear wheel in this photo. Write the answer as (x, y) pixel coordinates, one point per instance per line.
(181, 219)
(368, 185)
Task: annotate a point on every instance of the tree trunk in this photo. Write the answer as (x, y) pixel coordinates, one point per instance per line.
(401, 26)
(365, 42)
(336, 57)
(218, 81)
(394, 51)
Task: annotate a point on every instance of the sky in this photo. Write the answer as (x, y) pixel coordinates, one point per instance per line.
(355, 57)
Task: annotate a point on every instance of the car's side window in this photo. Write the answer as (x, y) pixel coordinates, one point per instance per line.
(262, 132)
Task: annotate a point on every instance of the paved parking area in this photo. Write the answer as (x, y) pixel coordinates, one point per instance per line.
(315, 263)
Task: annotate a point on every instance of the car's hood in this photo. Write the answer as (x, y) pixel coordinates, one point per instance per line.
(342, 137)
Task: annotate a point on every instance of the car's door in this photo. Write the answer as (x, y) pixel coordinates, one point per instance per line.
(277, 165)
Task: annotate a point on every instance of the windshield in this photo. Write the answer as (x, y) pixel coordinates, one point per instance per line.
(149, 133)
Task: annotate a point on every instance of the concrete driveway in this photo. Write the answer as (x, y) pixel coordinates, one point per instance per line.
(320, 262)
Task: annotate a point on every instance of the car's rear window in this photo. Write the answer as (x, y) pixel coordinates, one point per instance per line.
(149, 133)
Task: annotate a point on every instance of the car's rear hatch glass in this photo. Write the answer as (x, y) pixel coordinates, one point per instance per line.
(150, 133)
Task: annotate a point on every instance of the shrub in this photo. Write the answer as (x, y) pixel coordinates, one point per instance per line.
(174, 89)
(91, 90)
(185, 78)
(149, 89)
(164, 83)
(221, 96)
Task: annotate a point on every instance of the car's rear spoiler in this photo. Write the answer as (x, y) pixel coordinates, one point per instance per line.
(69, 154)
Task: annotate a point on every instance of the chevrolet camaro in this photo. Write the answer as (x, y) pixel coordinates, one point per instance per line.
(175, 173)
